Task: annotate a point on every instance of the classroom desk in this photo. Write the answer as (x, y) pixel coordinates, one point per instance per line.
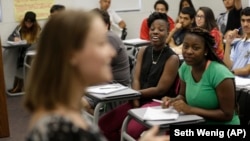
(137, 42)
(10, 58)
(122, 95)
(164, 125)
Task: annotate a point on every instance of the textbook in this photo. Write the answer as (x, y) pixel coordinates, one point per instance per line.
(106, 89)
(160, 114)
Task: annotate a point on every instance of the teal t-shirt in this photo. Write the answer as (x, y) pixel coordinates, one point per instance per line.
(202, 94)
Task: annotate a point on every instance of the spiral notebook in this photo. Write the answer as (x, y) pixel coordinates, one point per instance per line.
(106, 89)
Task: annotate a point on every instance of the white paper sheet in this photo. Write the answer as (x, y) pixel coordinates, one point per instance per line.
(105, 89)
(137, 40)
(160, 114)
(22, 42)
(240, 81)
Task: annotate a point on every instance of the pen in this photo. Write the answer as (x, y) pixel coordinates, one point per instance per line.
(156, 100)
(238, 29)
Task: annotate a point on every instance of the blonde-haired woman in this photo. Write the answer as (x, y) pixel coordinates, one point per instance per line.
(68, 61)
(28, 30)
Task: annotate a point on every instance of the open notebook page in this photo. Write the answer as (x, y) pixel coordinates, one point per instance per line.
(160, 114)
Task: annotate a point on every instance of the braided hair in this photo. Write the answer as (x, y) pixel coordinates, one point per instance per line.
(208, 41)
(211, 55)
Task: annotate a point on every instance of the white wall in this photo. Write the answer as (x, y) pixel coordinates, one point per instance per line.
(133, 19)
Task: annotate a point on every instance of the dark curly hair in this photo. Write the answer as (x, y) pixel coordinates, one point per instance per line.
(163, 2)
(209, 42)
(157, 16)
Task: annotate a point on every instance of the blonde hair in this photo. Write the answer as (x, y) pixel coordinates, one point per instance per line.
(30, 34)
(49, 81)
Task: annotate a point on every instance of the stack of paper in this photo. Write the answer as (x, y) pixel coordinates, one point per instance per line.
(160, 114)
(106, 89)
(240, 81)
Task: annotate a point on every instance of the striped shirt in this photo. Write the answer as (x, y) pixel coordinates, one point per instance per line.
(240, 54)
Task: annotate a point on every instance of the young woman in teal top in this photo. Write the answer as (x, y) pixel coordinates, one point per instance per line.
(207, 86)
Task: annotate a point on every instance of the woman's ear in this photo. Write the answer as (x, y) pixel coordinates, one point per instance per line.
(73, 59)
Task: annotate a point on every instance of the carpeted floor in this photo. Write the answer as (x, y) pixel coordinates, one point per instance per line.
(18, 119)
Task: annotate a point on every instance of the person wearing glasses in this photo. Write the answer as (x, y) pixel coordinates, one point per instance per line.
(205, 19)
(79, 56)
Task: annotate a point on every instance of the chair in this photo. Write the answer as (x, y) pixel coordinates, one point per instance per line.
(243, 99)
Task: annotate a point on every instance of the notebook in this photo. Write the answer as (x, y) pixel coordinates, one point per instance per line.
(106, 89)
(160, 114)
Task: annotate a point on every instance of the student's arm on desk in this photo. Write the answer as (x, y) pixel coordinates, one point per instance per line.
(167, 101)
(15, 35)
(226, 97)
(245, 71)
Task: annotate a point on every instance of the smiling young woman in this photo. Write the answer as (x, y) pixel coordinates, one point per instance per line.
(154, 77)
(207, 85)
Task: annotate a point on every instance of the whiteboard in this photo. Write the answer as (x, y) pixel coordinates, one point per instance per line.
(126, 5)
(116, 5)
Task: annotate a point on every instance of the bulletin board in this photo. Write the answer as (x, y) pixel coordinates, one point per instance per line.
(116, 5)
(40, 7)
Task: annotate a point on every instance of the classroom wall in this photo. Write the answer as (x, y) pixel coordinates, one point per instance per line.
(133, 19)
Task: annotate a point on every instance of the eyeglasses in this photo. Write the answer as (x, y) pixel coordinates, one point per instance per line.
(199, 16)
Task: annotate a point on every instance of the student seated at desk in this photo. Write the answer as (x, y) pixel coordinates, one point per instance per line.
(237, 56)
(120, 63)
(183, 4)
(205, 19)
(118, 25)
(54, 89)
(159, 6)
(176, 36)
(154, 77)
(28, 30)
(207, 85)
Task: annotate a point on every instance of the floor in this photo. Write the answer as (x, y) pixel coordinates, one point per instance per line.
(18, 116)
(18, 119)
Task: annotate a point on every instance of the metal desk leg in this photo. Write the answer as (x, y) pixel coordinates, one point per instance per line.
(97, 112)
(124, 135)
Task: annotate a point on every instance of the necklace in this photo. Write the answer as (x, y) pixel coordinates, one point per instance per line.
(155, 61)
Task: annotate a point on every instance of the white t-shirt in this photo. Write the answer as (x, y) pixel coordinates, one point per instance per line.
(115, 19)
